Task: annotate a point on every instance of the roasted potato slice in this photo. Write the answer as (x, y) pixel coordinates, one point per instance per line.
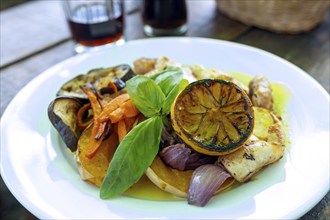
(94, 169)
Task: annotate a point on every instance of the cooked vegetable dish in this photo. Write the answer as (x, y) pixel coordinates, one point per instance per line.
(192, 131)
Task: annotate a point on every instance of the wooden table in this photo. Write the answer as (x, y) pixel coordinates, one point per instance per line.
(34, 37)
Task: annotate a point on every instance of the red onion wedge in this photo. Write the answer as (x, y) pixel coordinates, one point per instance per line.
(197, 159)
(176, 156)
(204, 182)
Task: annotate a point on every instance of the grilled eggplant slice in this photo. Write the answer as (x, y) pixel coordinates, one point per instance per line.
(98, 78)
(62, 112)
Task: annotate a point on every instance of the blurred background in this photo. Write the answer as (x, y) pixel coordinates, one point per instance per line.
(35, 36)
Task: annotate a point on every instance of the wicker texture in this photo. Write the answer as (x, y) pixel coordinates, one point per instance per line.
(287, 16)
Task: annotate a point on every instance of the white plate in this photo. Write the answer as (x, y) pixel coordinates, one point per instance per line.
(41, 177)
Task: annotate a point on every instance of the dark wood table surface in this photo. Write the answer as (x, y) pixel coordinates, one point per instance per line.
(35, 36)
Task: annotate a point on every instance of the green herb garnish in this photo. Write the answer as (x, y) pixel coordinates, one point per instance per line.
(147, 96)
(153, 96)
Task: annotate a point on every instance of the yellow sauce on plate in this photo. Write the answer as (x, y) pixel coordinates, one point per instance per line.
(145, 189)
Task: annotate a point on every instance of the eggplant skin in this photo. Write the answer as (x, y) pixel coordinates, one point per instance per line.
(62, 112)
(98, 78)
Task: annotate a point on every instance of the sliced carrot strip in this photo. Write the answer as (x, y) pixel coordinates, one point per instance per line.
(116, 111)
(94, 143)
(100, 130)
(112, 106)
(121, 130)
(102, 117)
(82, 112)
(97, 109)
(130, 110)
(113, 86)
(116, 115)
(96, 136)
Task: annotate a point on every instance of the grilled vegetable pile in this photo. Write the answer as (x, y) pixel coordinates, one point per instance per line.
(192, 140)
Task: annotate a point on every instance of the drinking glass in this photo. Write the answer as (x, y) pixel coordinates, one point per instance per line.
(95, 23)
(164, 17)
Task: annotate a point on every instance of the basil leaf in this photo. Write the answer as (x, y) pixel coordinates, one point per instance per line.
(155, 75)
(133, 156)
(146, 95)
(166, 107)
(170, 78)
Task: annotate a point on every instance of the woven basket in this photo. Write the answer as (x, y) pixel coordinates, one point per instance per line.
(285, 16)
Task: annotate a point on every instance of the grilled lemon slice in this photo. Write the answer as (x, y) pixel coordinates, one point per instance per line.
(212, 116)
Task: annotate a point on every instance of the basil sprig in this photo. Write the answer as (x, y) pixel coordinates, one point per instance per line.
(146, 95)
(132, 157)
(153, 96)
